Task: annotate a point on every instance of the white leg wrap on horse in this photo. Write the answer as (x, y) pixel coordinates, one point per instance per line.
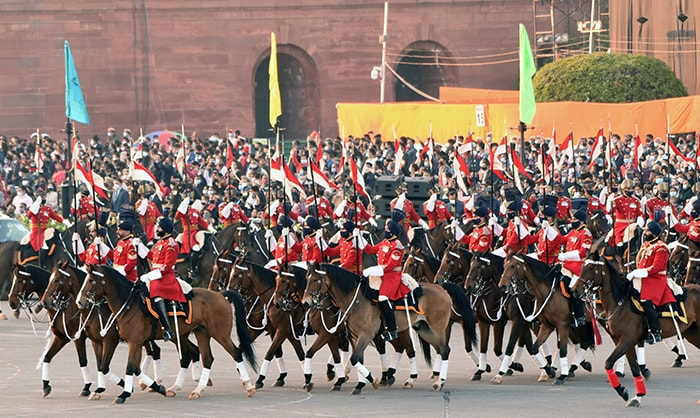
(443, 369)
(157, 370)
(482, 361)
(129, 383)
(101, 380)
(281, 365)
(180, 379)
(203, 379)
(307, 366)
(474, 358)
(45, 371)
(146, 362)
(620, 364)
(641, 355)
(362, 369)
(395, 363)
(504, 364)
(86, 375)
(384, 361)
(196, 370)
(113, 377)
(345, 355)
(243, 372)
(145, 379)
(578, 358)
(414, 365)
(545, 349)
(361, 378)
(518, 353)
(540, 360)
(264, 367)
(339, 369)
(564, 363)
(437, 362)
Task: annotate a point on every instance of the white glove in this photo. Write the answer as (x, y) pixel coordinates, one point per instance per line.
(517, 221)
(672, 220)
(500, 252)
(211, 229)
(400, 201)
(67, 223)
(668, 211)
(640, 221)
(373, 222)
(356, 233)
(459, 234)
(182, 208)
(273, 207)
(551, 233)
(142, 207)
(373, 271)
(569, 256)
(537, 221)
(254, 227)
(97, 240)
(76, 237)
(493, 220)
(136, 242)
(142, 250)
(321, 242)
(340, 209)
(609, 219)
(103, 248)
(522, 231)
(544, 224)
(285, 232)
(269, 234)
(423, 224)
(497, 230)
(335, 238)
(151, 275)
(79, 247)
(226, 211)
(637, 273)
(431, 203)
(34, 208)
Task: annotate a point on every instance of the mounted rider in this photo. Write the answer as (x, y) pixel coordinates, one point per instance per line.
(86, 206)
(230, 212)
(324, 212)
(313, 241)
(124, 255)
(692, 229)
(39, 216)
(594, 204)
(390, 254)
(279, 207)
(549, 238)
(563, 204)
(97, 252)
(652, 261)
(162, 282)
(517, 236)
(347, 248)
(657, 207)
(481, 237)
(435, 209)
(626, 210)
(148, 212)
(351, 208)
(578, 244)
(400, 202)
(287, 248)
(192, 239)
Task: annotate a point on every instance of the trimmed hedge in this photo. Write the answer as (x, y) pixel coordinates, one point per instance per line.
(607, 78)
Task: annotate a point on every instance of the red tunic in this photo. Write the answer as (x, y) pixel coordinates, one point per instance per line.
(163, 257)
(125, 256)
(513, 243)
(594, 205)
(292, 253)
(657, 205)
(310, 250)
(625, 212)
(547, 251)
(654, 257)
(438, 215)
(348, 254)
(86, 207)
(580, 240)
(479, 240)
(361, 212)
(563, 208)
(91, 256)
(293, 215)
(408, 209)
(390, 256)
(39, 222)
(191, 222)
(527, 214)
(149, 218)
(692, 229)
(324, 206)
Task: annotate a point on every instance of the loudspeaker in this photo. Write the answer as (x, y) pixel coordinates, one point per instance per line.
(382, 207)
(386, 185)
(418, 206)
(418, 188)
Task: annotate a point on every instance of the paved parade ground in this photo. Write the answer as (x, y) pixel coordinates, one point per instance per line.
(672, 392)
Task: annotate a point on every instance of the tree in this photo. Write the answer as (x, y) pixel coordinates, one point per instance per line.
(607, 78)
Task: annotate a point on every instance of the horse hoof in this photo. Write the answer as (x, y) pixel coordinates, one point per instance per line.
(476, 376)
(94, 397)
(174, 388)
(543, 376)
(330, 375)
(250, 391)
(622, 391)
(170, 393)
(646, 373)
(194, 395)
(47, 391)
(488, 368)
(559, 381)
(86, 390)
(437, 386)
(390, 380)
(587, 366)
(336, 388)
(551, 372)
(677, 364)
(142, 386)
(309, 386)
(497, 379)
(375, 384)
(356, 391)
(518, 367)
(121, 398)
(209, 383)
(509, 372)
(278, 383)
(408, 384)
(259, 385)
(634, 403)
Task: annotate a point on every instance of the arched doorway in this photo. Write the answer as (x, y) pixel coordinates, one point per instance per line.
(422, 66)
(299, 88)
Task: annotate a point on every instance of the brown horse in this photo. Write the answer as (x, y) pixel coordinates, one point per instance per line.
(598, 224)
(626, 326)
(29, 279)
(256, 311)
(523, 274)
(210, 317)
(253, 280)
(363, 318)
(420, 266)
(214, 245)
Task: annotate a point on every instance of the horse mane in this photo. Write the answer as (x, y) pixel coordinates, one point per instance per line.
(433, 262)
(345, 280)
(540, 270)
(496, 262)
(121, 283)
(267, 276)
(37, 273)
(78, 273)
(464, 252)
(300, 276)
(620, 285)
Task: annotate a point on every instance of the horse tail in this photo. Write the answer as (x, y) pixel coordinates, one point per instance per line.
(425, 347)
(586, 337)
(461, 305)
(244, 338)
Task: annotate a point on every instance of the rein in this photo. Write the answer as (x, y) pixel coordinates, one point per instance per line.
(343, 315)
(534, 314)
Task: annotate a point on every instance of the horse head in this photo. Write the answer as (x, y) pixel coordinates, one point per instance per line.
(317, 286)
(451, 265)
(94, 287)
(693, 274)
(598, 224)
(58, 291)
(591, 278)
(221, 272)
(514, 270)
(285, 281)
(414, 264)
(479, 275)
(22, 286)
(678, 261)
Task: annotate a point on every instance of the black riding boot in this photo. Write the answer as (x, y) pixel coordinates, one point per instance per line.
(577, 312)
(194, 262)
(43, 255)
(389, 320)
(159, 306)
(653, 320)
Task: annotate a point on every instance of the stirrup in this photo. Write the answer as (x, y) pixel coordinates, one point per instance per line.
(654, 337)
(578, 322)
(168, 335)
(390, 335)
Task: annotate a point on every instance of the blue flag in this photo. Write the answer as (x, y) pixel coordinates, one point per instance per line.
(75, 103)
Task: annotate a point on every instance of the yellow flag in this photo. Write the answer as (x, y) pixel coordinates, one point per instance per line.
(275, 98)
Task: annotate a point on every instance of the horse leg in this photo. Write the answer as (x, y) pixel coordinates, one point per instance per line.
(82, 361)
(204, 346)
(132, 368)
(322, 338)
(638, 379)
(356, 360)
(547, 371)
(405, 339)
(621, 348)
(57, 343)
(484, 331)
(189, 351)
(276, 344)
(444, 352)
(563, 334)
(107, 346)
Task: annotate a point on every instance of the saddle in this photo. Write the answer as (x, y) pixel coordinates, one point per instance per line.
(413, 298)
(664, 311)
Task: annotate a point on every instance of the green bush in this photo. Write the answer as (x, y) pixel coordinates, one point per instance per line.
(607, 78)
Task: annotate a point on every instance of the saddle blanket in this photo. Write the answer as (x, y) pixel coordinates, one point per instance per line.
(678, 308)
(182, 309)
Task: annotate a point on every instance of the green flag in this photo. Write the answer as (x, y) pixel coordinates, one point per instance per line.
(75, 103)
(527, 70)
(273, 84)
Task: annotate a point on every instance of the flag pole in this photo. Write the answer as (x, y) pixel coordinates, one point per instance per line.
(94, 206)
(313, 190)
